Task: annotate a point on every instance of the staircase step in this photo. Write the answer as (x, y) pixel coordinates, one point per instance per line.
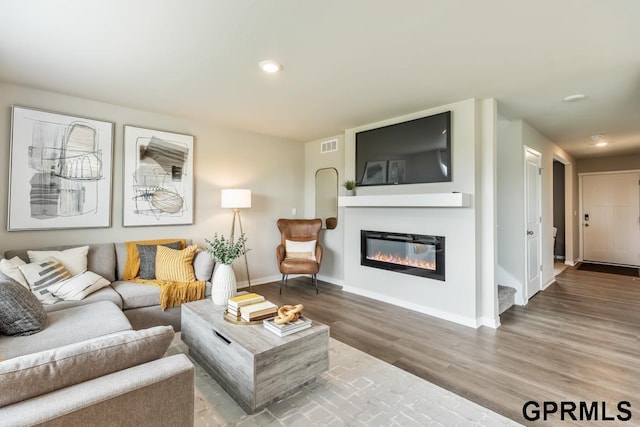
(506, 298)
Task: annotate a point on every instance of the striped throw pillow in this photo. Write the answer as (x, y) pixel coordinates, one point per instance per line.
(175, 265)
(42, 274)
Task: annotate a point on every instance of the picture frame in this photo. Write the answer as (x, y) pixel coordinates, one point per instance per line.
(60, 171)
(158, 177)
(397, 170)
(375, 172)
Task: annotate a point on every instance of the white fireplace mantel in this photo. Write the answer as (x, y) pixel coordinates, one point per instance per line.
(429, 200)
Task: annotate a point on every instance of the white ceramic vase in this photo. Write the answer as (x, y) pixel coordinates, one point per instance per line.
(223, 285)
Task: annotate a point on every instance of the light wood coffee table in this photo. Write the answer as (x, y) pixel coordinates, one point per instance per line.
(253, 365)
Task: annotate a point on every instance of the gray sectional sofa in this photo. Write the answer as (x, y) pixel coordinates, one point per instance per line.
(99, 361)
(140, 303)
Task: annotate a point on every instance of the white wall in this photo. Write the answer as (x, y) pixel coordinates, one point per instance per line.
(510, 270)
(486, 212)
(273, 168)
(332, 268)
(512, 137)
(460, 297)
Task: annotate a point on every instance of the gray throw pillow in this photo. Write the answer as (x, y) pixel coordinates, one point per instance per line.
(147, 255)
(21, 313)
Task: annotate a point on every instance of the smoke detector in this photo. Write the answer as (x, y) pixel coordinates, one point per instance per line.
(575, 97)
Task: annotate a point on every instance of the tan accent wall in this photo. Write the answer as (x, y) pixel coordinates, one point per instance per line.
(608, 164)
(273, 168)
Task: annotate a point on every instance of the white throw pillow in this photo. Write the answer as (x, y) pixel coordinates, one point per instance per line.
(74, 259)
(301, 250)
(10, 268)
(42, 274)
(79, 286)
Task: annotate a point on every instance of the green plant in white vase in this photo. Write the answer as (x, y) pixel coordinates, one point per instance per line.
(350, 186)
(224, 251)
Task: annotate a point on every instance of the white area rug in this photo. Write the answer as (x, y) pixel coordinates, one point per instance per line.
(358, 390)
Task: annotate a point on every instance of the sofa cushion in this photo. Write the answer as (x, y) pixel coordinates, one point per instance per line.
(105, 294)
(21, 313)
(136, 295)
(175, 265)
(68, 326)
(39, 373)
(42, 274)
(10, 268)
(79, 286)
(147, 254)
(101, 258)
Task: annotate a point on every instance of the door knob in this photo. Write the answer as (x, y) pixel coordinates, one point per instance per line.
(529, 233)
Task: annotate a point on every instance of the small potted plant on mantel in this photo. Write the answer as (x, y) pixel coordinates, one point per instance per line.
(224, 251)
(350, 187)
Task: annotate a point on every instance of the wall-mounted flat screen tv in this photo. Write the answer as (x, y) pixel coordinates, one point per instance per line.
(412, 152)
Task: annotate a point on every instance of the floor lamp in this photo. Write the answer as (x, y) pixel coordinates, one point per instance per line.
(237, 199)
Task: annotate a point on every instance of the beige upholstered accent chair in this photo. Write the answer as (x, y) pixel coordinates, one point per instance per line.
(299, 251)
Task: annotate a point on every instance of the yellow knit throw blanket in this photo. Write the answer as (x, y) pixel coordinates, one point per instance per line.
(172, 294)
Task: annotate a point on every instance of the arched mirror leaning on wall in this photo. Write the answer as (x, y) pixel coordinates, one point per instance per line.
(327, 197)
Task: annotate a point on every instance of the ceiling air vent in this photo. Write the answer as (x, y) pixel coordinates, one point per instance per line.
(329, 146)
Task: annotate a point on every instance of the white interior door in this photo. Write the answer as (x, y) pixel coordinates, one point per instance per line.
(611, 218)
(533, 219)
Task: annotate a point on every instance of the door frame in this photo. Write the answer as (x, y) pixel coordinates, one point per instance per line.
(538, 154)
(581, 207)
(569, 208)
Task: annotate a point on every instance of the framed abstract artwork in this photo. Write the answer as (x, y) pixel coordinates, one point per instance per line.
(158, 177)
(396, 172)
(375, 173)
(60, 171)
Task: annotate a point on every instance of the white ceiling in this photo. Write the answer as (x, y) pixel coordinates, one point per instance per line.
(346, 62)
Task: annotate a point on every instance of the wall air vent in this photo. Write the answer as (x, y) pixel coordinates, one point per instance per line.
(329, 146)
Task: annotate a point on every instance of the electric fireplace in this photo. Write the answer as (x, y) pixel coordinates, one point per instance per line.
(415, 254)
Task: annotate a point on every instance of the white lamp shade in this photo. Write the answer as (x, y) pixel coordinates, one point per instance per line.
(235, 198)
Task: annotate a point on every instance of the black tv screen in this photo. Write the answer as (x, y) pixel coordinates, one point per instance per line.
(412, 152)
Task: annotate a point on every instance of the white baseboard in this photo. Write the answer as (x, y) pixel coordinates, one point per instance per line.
(331, 280)
(258, 281)
(270, 279)
(549, 283)
(489, 322)
(461, 320)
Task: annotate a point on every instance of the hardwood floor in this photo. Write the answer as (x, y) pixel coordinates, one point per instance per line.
(578, 340)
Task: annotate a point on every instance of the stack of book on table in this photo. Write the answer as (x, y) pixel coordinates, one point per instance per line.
(288, 328)
(251, 307)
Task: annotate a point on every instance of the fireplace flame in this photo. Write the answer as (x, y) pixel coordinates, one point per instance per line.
(405, 261)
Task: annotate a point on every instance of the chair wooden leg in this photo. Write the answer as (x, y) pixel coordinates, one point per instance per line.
(282, 282)
(315, 282)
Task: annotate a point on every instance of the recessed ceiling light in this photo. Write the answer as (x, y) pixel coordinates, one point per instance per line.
(270, 66)
(602, 144)
(574, 98)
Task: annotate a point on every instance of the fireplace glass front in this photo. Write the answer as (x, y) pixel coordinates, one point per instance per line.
(415, 254)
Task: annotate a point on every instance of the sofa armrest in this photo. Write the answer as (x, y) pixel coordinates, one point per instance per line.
(160, 391)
